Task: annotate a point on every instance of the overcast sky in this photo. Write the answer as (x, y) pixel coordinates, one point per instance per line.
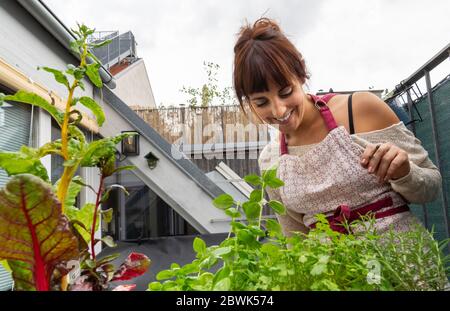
(347, 44)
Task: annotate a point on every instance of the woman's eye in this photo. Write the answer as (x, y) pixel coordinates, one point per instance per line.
(286, 91)
(261, 103)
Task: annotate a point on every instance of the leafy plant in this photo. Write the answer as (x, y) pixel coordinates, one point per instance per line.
(257, 256)
(42, 234)
(210, 90)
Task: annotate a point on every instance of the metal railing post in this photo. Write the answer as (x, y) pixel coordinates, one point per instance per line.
(413, 127)
(437, 149)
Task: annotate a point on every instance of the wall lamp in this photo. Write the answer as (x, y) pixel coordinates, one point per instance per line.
(130, 144)
(152, 160)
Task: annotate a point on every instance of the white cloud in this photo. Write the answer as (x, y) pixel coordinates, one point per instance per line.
(350, 44)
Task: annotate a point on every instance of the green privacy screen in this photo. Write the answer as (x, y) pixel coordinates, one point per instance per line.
(424, 132)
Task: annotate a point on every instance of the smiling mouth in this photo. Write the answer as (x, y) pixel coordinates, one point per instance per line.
(283, 120)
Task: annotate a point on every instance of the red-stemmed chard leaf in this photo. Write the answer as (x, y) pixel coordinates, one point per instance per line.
(34, 234)
(135, 265)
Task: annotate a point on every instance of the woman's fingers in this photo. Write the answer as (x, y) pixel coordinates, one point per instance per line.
(376, 157)
(385, 164)
(386, 161)
(368, 153)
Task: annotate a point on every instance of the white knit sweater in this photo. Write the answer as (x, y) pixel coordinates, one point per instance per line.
(421, 185)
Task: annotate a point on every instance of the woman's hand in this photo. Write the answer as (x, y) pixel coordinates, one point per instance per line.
(386, 161)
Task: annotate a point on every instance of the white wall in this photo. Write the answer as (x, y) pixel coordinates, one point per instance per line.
(133, 86)
(25, 45)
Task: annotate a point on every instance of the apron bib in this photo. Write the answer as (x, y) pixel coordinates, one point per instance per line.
(329, 179)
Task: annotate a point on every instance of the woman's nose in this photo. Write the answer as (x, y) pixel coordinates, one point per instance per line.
(278, 109)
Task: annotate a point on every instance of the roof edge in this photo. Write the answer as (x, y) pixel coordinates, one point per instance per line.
(62, 34)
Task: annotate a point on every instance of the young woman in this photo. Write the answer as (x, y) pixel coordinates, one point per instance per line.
(339, 155)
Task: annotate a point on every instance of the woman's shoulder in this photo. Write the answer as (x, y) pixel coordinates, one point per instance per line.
(396, 130)
(370, 113)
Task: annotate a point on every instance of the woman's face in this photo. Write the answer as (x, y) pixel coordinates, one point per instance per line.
(281, 106)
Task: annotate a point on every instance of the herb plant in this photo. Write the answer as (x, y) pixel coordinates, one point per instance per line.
(257, 256)
(42, 234)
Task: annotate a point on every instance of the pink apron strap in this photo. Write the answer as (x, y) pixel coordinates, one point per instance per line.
(321, 104)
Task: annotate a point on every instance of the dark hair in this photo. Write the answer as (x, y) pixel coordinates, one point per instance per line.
(262, 53)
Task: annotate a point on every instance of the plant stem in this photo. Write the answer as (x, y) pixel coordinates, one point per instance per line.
(261, 200)
(94, 222)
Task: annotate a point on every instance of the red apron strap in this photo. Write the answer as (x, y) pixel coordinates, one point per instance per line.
(321, 104)
(283, 144)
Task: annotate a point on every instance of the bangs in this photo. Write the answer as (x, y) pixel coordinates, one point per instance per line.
(261, 66)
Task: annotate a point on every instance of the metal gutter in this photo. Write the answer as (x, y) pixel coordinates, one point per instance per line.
(56, 27)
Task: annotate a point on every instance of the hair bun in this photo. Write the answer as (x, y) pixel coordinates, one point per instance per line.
(265, 29)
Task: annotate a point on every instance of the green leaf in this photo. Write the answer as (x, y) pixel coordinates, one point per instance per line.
(188, 269)
(107, 215)
(199, 245)
(232, 212)
(24, 161)
(75, 46)
(2, 98)
(223, 201)
(223, 285)
(73, 190)
(85, 215)
(273, 227)
(53, 147)
(107, 259)
(109, 241)
(94, 107)
(256, 231)
(237, 225)
(278, 207)
(221, 274)
(34, 234)
(76, 133)
(271, 180)
(94, 75)
(5, 265)
(165, 274)
(81, 183)
(90, 263)
(218, 252)
(123, 168)
(252, 209)
(256, 195)
(253, 179)
(81, 85)
(318, 269)
(105, 196)
(60, 77)
(77, 72)
(245, 236)
(156, 286)
(98, 151)
(33, 99)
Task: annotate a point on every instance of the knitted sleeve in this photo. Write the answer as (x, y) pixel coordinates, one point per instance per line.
(423, 182)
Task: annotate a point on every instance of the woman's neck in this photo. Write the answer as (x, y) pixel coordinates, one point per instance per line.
(308, 125)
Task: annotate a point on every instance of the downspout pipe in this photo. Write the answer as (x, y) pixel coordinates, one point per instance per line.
(56, 27)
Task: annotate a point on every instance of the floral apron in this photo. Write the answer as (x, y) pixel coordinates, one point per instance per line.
(330, 180)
